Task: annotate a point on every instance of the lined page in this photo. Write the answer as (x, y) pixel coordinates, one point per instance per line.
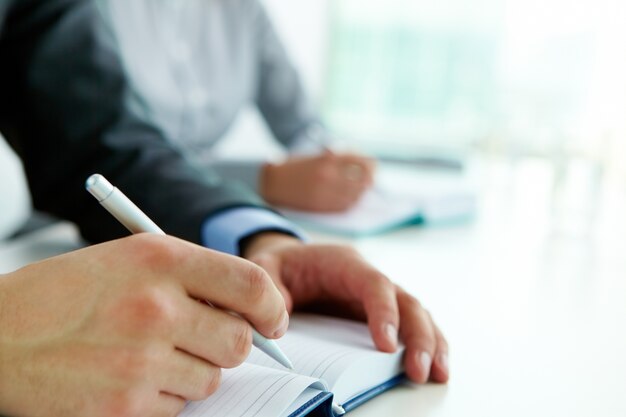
(324, 347)
(252, 391)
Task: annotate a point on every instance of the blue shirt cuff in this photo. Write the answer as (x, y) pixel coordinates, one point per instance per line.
(224, 231)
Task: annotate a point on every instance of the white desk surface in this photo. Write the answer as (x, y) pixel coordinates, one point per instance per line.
(531, 295)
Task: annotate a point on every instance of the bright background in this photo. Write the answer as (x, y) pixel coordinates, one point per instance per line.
(529, 77)
(534, 90)
(513, 79)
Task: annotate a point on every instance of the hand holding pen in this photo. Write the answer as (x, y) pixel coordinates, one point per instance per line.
(332, 181)
(127, 213)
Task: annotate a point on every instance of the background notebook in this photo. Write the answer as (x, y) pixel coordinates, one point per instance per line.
(398, 201)
(334, 360)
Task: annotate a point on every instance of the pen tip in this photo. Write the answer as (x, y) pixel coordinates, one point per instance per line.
(273, 350)
(287, 363)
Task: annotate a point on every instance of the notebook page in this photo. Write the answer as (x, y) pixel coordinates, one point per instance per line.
(340, 352)
(372, 213)
(252, 391)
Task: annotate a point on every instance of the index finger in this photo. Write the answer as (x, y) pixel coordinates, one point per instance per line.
(377, 296)
(227, 281)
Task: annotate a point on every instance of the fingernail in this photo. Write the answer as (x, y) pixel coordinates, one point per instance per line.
(283, 326)
(425, 362)
(392, 334)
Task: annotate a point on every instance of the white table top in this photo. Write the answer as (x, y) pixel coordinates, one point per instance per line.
(531, 296)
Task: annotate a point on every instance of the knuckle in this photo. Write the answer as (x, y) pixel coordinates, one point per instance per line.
(155, 251)
(124, 403)
(242, 343)
(151, 308)
(257, 285)
(133, 364)
(382, 281)
(442, 342)
(407, 300)
(212, 382)
(412, 303)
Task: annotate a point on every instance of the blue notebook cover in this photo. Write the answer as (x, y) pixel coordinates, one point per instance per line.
(321, 405)
(371, 393)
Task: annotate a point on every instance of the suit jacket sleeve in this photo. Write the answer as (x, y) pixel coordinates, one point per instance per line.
(65, 112)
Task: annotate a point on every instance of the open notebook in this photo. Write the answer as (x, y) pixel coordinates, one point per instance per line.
(385, 208)
(334, 360)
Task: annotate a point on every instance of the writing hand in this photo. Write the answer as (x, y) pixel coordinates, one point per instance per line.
(326, 183)
(117, 329)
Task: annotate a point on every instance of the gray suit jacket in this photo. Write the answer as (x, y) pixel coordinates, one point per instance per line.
(62, 108)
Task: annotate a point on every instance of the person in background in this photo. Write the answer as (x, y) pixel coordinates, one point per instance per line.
(194, 65)
(115, 329)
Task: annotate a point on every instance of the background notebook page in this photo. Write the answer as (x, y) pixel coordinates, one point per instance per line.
(250, 390)
(373, 211)
(321, 347)
(400, 197)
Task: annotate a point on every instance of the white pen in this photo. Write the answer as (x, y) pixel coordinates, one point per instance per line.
(135, 220)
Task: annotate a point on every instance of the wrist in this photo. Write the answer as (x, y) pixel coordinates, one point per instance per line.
(266, 242)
